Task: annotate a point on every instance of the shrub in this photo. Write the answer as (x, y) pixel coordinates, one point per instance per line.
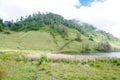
(6, 32)
(91, 38)
(42, 59)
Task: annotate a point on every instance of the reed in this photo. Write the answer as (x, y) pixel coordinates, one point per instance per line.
(69, 58)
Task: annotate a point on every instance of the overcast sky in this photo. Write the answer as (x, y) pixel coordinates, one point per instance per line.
(103, 14)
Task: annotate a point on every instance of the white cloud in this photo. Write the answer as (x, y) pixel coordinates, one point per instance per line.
(12, 9)
(104, 15)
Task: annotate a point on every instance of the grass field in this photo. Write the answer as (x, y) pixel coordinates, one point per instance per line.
(19, 58)
(44, 41)
(15, 66)
(38, 40)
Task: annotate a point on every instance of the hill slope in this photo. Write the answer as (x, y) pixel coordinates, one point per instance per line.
(52, 32)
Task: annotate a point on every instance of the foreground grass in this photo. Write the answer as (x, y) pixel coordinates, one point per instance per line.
(13, 66)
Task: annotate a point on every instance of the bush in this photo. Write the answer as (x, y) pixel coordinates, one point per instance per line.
(42, 59)
(91, 38)
(6, 32)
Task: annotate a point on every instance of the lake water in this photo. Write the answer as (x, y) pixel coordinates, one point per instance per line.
(109, 54)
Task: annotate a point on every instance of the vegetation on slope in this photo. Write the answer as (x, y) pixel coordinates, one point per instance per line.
(50, 31)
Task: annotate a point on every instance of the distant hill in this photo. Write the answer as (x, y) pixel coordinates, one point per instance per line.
(49, 31)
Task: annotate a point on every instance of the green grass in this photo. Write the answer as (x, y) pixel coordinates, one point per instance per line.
(43, 40)
(12, 68)
(35, 40)
(27, 40)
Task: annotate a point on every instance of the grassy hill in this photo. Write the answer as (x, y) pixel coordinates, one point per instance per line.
(38, 40)
(51, 32)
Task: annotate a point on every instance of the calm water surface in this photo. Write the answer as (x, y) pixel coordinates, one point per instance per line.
(109, 54)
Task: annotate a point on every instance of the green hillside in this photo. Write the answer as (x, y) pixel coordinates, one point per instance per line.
(51, 32)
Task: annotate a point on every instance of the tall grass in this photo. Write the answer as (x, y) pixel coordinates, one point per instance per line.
(69, 58)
